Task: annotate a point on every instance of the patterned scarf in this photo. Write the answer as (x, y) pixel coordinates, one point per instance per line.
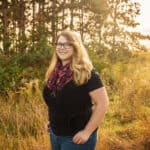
(60, 77)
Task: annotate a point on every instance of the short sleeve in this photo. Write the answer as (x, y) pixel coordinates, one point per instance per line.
(94, 82)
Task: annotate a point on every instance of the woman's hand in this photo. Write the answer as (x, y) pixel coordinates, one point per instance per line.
(47, 126)
(81, 137)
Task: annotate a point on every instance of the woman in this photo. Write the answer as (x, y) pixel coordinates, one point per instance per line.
(72, 88)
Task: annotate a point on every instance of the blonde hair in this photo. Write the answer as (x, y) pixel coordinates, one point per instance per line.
(80, 63)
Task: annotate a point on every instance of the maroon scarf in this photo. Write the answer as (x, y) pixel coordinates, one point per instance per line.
(60, 77)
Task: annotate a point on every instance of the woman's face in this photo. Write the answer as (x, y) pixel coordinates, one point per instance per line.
(64, 50)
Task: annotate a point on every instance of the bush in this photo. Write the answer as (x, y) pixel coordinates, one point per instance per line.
(17, 67)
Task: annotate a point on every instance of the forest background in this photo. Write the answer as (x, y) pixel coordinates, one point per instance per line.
(28, 31)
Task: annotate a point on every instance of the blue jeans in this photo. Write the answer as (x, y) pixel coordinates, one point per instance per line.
(66, 143)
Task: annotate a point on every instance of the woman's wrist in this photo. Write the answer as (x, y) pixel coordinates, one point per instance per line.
(87, 131)
(48, 124)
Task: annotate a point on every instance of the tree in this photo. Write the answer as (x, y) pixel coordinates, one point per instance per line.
(122, 17)
(53, 21)
(31, 24)
(5, 13)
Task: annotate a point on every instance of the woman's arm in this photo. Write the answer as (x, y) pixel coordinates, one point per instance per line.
(100, 99)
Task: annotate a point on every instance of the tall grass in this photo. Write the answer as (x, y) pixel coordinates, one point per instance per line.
(22, 118)
(126, 126)
(127, 123)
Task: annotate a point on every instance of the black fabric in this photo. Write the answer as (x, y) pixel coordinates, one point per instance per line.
(69, 109)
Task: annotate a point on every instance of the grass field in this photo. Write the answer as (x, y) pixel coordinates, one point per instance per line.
(23, 114)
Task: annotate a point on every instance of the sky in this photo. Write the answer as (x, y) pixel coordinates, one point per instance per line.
(144, 19)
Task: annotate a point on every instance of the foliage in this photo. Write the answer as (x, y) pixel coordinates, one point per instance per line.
(9, 74)
(21, 67)
(28, 25)
(126, 124)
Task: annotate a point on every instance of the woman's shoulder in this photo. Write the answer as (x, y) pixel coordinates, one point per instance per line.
(94, 70)
(94, 73)
(94, 81)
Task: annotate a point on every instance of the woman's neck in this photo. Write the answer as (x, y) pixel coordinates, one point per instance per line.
(65, 62)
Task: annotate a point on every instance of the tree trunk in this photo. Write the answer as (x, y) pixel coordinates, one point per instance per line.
(33, 24)
(72, 16)
(21, 25)
(81, 24)
(63, 15)
(53, 23)
(5, 27)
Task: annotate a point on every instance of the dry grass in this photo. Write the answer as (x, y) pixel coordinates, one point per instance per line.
(126, 126)
(22, 119)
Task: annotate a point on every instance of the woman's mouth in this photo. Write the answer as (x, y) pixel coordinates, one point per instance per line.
(62, 53)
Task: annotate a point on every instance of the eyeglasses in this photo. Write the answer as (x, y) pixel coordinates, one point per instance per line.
(64, 45)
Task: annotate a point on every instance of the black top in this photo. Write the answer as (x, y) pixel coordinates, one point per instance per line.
(69, 110)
